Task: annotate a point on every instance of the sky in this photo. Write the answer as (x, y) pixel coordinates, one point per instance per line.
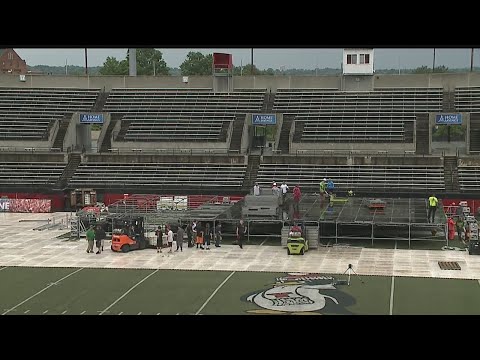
(266, 58)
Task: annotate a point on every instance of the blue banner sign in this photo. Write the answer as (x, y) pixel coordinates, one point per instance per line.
(91, 118)
(448, 119)
(264, 119)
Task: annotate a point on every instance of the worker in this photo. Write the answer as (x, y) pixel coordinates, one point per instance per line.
(256, 189)
(451, 228)
(330, 187)
(323, 187)
(432, 208)
(297, 195)
(90, 235)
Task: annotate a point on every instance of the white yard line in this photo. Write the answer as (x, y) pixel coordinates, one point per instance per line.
(128, 291)
(263, 242)
(213, 294)
(392, 287)
(27, 311)
(391, 295)
(45, 311)
(3, 268)
(83, 312)
(64, 312)
(41, 291)
(120, 313)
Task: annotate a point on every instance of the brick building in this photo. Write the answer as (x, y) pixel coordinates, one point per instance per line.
(11, 63)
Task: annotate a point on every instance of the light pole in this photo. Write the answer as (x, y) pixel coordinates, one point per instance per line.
(471, 61)
(433, 67)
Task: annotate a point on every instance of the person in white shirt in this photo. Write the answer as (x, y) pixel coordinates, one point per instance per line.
(256, 189)
(284, 190)
(170, 238)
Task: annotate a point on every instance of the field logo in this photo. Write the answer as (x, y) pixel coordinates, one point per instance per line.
(301, 293)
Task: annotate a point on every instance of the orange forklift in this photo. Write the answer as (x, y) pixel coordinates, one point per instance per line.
(128, 233)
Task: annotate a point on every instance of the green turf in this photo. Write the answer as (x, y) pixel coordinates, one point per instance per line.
(372, 297)
(228, 301)
(171, 292)
(19, 283)
(89, 290)
(415, 296)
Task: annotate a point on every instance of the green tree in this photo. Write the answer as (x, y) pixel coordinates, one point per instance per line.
(246, 70)
(441, 69)
(112, 66)
(422, 70)
(197, 64)
(150, 62)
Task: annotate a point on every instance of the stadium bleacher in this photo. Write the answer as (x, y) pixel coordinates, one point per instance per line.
(197, 175)
(30, 113)
(180, 114)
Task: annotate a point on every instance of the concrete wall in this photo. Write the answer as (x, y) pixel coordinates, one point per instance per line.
(246, 134)
(154, 145)
(32, 157)
(466, 161)
(135, 158)
(446, 80)
(353, 160)
(398, 147)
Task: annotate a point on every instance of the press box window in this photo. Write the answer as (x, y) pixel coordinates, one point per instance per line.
(364, 58)
(352, 59)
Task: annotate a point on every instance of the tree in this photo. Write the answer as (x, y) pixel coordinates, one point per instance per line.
(441, 69)
(112, 66)
(246, 70)
(197, 64)
(150, 62)
(422, 70)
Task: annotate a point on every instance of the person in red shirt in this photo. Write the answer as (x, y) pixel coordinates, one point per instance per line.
(297, 195)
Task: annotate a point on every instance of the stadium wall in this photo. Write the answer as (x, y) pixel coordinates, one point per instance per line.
(445, 80)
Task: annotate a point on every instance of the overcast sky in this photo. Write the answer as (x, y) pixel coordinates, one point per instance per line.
(266, 58)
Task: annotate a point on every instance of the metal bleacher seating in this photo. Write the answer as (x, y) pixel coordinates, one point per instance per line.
(180, 114)
(469, 177)
(28, 113)
(467, 98)
(30, 173)
(389, 178)
(382, 115)
(197, 175)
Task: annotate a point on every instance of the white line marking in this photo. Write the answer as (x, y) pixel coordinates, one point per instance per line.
(392, 287)
(213, 294)
(263, 242)
(140, 313)
(391, 295)
(83, 312)
(64, 312)
(120, 313)
(3, 268)
(126, 293)
(26, 312)
(45, 311)
(158, 313)
(177, 314)
(39, 292)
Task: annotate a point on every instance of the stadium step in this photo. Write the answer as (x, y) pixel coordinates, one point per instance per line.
(107, 139)
(284, 141)
(62, 130)
(236, 141)
(100, 101)
(252, 171)
(475, 132)
(450, 168)
(74, 160)
(422, 134)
